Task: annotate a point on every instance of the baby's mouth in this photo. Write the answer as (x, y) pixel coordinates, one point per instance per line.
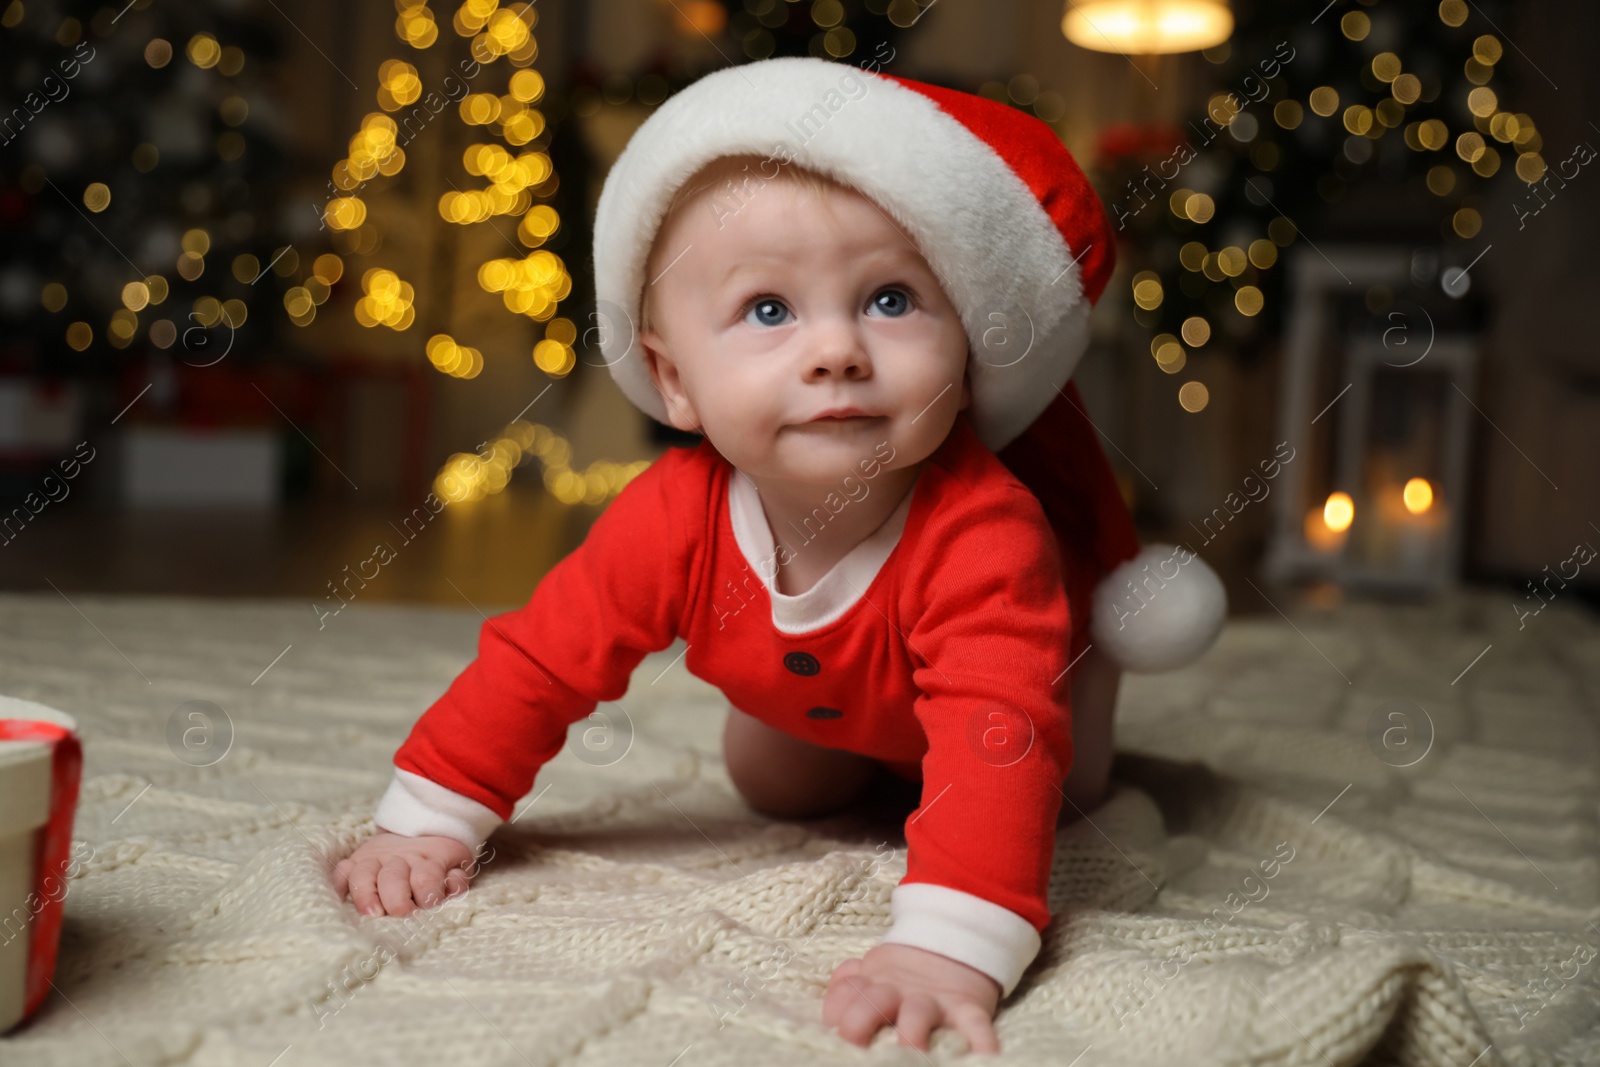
(842, 415)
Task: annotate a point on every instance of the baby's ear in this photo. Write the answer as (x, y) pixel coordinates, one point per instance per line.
(650, 345)
(664, 373)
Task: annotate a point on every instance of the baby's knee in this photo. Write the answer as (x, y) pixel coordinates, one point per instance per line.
(784, 777)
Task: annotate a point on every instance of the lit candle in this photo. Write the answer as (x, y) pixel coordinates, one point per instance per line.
(1327, 528)
(1419, 522)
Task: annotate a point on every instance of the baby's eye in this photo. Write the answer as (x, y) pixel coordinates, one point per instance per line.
(767, 312)
(892, 302)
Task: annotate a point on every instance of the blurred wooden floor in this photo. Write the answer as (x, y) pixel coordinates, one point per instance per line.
(492, 551)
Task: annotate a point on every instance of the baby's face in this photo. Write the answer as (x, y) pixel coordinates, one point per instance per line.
(766, 316)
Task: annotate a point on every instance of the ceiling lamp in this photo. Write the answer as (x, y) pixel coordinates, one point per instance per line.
(1147, 27)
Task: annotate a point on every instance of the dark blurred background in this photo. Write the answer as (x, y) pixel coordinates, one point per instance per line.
(271, 273)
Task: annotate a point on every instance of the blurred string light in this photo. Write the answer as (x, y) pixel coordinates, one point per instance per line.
(415, 25)
(1364, 122)
(1147, 291)
(1170, 355)
(530, 286)
(387, 301)
(373, 151)
(302, 301)
(204, 51)
(398, 85)
(1193, 396)
(467, 477)
(498, 31)
(516, 179)
(456, 360)
(554, 355)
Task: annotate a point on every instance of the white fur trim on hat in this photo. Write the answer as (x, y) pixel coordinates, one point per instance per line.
(1159, 610)
(1005, 265)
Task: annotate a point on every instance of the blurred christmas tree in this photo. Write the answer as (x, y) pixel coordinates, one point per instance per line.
(139, 177)
(1369, 123)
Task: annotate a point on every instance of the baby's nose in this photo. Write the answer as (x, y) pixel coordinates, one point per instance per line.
(840, 351)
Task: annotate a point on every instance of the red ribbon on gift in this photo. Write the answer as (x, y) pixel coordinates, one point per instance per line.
(50, 847)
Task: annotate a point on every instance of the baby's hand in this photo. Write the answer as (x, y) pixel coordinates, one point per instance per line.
(915, 991)
(391, 871)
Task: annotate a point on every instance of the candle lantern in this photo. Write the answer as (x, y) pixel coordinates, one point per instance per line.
(1377, 404)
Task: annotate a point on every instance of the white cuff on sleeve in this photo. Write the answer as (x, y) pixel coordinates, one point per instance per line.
(414, 806)
(967, 928)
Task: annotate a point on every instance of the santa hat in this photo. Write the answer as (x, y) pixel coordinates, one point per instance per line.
(996, 205)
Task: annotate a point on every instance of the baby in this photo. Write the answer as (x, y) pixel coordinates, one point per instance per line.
(849, 561)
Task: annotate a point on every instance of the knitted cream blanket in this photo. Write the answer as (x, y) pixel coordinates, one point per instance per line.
(1363, 835)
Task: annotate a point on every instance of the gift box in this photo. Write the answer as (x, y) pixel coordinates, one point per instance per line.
(40, 766)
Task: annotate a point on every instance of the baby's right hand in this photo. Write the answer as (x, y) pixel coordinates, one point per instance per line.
(393, 874)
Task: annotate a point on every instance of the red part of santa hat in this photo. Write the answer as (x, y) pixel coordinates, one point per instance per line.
(993, 199)
(1036, 155)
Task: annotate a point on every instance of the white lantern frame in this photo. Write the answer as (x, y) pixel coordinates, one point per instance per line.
(1317, 275)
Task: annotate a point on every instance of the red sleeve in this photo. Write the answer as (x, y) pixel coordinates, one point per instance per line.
(594, 616)
(989, 641)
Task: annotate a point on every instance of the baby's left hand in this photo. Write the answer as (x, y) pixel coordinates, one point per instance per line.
(914, 991)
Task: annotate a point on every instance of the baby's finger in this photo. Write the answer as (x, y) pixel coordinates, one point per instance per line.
(394, 886)
(976, 1025)
(849, 968)
(840, 992)
(456, 881)
(427, 882)
(364, 887)
(919, 1014)
(874, 1007)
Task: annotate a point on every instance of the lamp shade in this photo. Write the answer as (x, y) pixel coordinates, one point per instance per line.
(1147, 27)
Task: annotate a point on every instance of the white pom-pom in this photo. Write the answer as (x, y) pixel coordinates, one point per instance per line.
(1159, 610)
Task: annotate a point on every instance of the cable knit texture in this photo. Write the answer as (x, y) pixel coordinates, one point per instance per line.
(1261, 888)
